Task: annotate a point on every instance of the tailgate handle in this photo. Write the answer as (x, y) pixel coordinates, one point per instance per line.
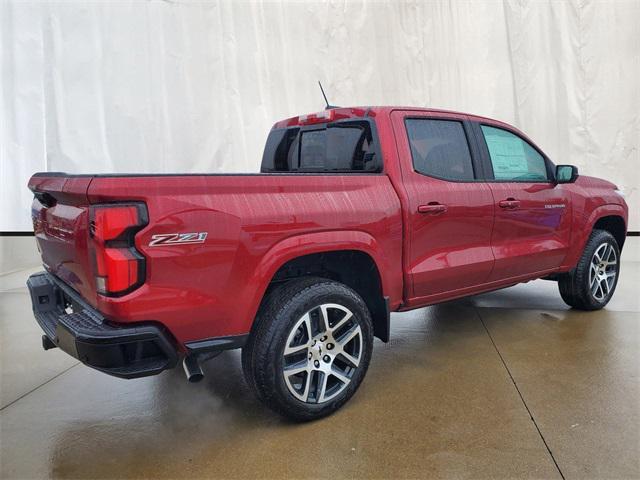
(44, 198)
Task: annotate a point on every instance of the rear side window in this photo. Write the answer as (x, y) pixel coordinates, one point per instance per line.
(336, 147)
(439, 149)
(512, 158)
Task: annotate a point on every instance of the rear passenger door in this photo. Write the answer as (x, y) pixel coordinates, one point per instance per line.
(450, 209)
(532, 213)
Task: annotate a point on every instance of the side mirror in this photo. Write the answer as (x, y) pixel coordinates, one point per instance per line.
(566, 173)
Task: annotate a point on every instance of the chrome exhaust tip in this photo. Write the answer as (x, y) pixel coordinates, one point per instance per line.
(192, 368)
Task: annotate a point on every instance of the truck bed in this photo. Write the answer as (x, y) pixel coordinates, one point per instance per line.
(250, 223)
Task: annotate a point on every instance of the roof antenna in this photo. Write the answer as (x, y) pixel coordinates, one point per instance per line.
(328, 107)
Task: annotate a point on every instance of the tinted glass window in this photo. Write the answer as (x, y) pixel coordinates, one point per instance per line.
(439, 148)
(512, 158)
(313, 149)
(337, 147)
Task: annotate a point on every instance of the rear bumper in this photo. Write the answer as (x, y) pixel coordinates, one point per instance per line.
(81, 331)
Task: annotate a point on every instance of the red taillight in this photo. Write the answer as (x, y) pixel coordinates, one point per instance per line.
(119, 267)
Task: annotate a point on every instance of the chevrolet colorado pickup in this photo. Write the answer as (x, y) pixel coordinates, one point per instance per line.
(357, 212)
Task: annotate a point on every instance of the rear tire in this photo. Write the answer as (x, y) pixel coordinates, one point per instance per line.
(591, 284)
(309, 349)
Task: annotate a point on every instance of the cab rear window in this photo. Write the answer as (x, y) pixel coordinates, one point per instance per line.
(334, 147)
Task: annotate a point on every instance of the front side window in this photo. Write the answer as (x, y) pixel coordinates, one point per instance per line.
(336, 147)
(512, 158)
(439, 148)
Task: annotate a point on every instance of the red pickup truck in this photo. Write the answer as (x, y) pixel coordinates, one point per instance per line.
(357, 212)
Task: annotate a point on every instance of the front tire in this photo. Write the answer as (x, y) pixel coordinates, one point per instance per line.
(591, 284)
(310, 348)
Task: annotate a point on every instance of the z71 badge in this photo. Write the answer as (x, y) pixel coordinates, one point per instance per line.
(177, 238)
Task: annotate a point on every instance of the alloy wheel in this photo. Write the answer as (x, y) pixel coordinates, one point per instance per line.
(323, 351)
(603, 271)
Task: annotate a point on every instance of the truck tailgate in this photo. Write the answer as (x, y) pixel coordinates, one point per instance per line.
(60, 214)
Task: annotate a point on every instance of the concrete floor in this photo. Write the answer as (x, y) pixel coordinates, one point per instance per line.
(452, 395)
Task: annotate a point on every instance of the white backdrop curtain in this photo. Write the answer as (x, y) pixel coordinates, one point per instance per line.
(172, 86)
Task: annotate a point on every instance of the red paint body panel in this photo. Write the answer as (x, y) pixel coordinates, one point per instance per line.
(61, 231)
(533, 237)
(256, 223)
(449, 250)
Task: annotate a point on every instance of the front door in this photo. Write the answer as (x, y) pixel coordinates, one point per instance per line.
(450, 210)
(532, 214)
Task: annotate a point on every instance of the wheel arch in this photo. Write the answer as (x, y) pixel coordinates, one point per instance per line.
(615, 225)
(607, 217)
(350, 257)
